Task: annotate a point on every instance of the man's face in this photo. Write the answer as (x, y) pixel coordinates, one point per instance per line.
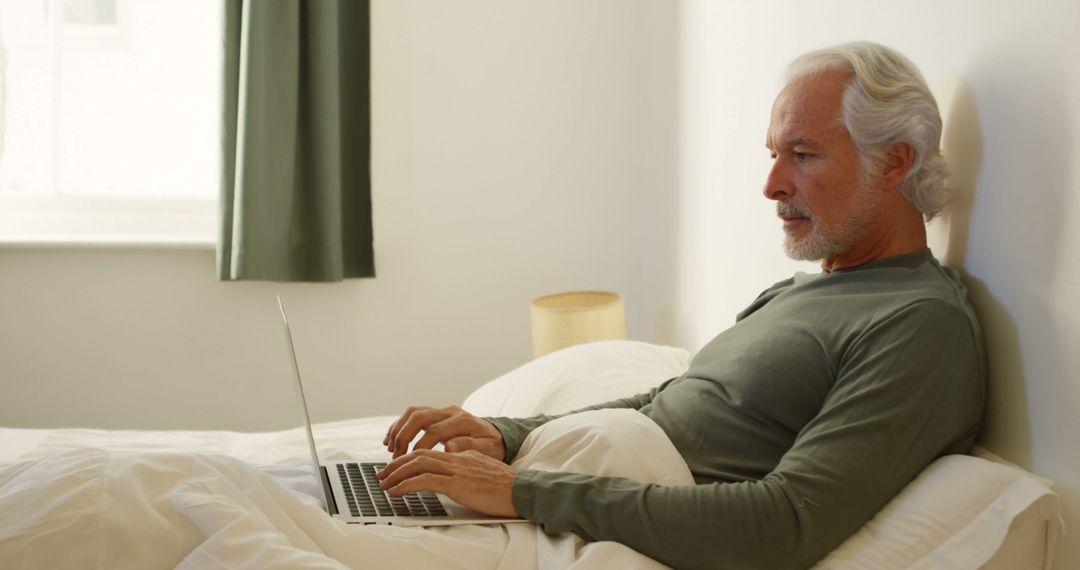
(815, 173)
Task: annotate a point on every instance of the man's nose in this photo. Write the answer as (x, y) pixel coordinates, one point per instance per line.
(778, 184)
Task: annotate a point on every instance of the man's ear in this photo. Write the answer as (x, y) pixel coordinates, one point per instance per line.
(898, 161)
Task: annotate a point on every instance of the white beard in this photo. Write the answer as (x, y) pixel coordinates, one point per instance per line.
(827, 241)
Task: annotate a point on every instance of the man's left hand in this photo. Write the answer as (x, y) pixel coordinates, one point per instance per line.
(471, 478)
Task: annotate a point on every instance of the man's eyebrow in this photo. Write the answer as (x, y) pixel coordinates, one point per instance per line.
(800, 141)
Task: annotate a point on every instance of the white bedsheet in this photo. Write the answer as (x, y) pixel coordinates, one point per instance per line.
(249, 500)
(130, 503)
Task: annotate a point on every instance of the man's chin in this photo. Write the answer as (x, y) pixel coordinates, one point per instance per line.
(798, 255)
(807, 249)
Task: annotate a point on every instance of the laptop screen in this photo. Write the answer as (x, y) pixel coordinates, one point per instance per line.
(303, 405)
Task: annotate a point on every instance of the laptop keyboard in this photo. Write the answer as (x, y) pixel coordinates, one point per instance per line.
(365, 498)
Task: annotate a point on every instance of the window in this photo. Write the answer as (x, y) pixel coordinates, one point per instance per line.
(109, 120)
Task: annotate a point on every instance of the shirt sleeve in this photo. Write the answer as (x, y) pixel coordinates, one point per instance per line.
(515, 430)
(908, 390)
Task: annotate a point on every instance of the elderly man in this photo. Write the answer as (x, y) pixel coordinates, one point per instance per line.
(828, 395)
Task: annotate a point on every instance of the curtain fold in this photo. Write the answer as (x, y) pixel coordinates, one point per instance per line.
(296, 188)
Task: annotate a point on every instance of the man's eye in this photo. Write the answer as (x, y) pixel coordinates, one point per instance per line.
(772, 155)
(802, 156)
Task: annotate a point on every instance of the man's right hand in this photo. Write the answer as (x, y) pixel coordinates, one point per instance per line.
(453, 427)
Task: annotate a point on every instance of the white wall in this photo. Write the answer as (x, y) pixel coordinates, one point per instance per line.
(520, 148)
(529, 147)
(1008, 85)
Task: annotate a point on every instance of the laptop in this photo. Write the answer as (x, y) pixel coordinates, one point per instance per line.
(351, 491)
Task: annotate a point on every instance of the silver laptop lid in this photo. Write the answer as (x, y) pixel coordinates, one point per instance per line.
(303, 404)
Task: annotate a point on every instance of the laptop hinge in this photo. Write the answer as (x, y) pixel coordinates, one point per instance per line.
(331, 504)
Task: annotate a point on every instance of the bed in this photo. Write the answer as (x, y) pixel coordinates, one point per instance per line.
(145, 499)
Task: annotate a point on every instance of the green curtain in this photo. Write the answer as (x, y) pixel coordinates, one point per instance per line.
(296, 188)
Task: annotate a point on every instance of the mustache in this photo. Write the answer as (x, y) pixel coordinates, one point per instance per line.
(791, 211)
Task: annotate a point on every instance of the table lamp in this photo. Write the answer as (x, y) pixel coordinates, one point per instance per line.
(566, 319)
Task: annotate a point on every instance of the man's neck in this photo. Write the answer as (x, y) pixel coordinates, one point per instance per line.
(907, 235)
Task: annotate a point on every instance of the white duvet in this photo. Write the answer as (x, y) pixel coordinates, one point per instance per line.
(132, 508)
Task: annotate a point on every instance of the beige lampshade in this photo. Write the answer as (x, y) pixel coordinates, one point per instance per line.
(566, 319)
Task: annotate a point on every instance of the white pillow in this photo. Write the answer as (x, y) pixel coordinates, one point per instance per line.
(578, 376)
(960, 512)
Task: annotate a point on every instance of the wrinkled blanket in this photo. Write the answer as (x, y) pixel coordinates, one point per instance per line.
(98, 508)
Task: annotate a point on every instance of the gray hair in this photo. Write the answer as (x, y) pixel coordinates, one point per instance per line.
(887, 102)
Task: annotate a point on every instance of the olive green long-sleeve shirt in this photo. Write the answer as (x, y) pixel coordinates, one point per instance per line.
(830, 393)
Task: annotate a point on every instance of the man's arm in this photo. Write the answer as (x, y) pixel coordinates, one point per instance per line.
(515, 430)
(458, 430)
(476, 476)
(475, 469)
(908, 390)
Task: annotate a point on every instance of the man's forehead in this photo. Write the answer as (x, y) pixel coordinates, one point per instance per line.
(794, 127)
(807, 109)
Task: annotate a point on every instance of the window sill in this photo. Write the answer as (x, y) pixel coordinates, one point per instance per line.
(115, 242)
(107, 223)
